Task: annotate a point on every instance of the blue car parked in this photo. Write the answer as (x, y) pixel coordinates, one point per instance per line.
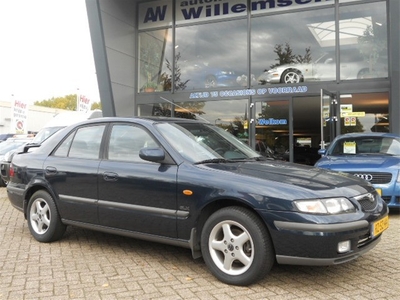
(375, 157)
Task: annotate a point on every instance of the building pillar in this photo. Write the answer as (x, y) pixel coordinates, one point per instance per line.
(394, 62)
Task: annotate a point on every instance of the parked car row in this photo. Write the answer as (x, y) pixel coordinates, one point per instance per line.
(7, 148)
(58, 122)
(240, 211)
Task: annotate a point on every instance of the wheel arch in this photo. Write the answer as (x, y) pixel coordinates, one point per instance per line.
(40, 186)
(207, 211)
(291, 69)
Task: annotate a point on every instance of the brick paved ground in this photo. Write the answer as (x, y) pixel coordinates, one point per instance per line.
(91, 265)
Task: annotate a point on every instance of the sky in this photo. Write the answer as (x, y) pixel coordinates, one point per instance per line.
(45, 50)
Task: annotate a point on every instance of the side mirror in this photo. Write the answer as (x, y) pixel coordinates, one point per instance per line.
(322, 151)
(152, 154)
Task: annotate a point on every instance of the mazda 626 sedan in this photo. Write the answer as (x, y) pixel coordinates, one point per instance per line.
(192, 184)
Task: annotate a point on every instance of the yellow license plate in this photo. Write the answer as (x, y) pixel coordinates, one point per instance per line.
(380, 226)
(379, 191)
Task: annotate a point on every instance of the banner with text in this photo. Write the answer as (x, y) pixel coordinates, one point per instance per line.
(19, 117)
(159, 13)
(83, 103)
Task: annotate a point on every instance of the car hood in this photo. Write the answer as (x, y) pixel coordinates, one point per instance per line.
(349, 162)
(294, 177)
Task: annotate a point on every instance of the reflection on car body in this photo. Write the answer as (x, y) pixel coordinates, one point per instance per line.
(374, 157)
(192, 184)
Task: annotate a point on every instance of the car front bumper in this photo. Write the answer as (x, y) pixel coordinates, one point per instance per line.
(270, 77)
(301, 242)
(390, 193)
(320, 243)
(4, 169)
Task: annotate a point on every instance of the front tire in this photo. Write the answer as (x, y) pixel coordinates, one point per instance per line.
(210, 82)
(236, 246)
(291, 76)
(43, 219)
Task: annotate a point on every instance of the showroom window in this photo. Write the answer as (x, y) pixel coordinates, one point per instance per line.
(155, 60)
(294, 47)
(364, 112)
(212, 55)
(232, 115)
(363, 41)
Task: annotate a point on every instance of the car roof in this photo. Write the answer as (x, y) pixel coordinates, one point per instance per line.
(369, 134)
(141, 120)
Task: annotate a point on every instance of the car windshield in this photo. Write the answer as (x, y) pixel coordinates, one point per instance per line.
(199, 142)
(366, 145)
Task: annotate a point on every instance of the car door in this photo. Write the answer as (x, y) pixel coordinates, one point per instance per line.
(72, 172)
(134, 194)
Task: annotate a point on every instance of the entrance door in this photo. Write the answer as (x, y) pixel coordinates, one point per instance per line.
(272, 128)
(328, 117)
(306, 129)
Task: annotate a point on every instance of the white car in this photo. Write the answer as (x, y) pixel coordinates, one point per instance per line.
(352, 66)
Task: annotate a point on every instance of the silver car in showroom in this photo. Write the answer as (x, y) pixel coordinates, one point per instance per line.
(352, 66)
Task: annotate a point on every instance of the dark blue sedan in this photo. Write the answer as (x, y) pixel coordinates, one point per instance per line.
(194, 185)
(374, 157)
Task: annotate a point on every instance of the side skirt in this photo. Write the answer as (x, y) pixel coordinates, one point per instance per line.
(133, 234)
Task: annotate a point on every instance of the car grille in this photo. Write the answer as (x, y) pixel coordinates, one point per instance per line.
(374, 177)
(388, 198)
(368, 201)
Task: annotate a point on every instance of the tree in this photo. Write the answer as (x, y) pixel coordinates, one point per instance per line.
(166, 79)
(373, 46)
(67, 102)
(96, 105)
(286, 56)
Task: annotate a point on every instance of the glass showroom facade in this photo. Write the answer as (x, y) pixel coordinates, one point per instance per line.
(284, 76)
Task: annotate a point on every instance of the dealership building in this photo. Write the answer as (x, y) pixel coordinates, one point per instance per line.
(288, 73)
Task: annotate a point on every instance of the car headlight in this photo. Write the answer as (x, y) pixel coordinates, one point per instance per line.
(325, 206)
(273, 70)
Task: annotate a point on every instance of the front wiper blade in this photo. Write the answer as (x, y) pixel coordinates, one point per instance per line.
(212, 160)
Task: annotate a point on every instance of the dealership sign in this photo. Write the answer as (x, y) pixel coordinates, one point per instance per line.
(159, 13)
(249, 92)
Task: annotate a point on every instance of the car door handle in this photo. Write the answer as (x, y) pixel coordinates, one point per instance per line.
(51, 170)
(110, 176)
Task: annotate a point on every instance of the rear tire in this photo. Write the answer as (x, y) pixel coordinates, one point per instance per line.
(236, 246)
(3, 183)
(43, 219)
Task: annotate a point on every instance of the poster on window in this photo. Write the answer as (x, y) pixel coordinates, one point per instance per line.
(19, 117)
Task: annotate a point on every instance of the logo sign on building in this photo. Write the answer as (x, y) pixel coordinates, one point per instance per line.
(159, 13)
(83, 103)
(19, 117)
